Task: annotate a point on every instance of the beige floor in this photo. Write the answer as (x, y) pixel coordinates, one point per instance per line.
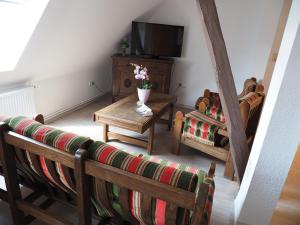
(287, 211)
(81, 122)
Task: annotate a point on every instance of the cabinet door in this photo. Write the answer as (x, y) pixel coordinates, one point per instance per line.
(127, 81)
(158, 81)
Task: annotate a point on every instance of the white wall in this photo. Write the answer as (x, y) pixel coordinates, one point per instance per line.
(71, 46)
(74, 40)
(248, 27)
(277, 136)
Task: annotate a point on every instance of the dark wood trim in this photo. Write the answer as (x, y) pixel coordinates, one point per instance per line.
(44, 205)
(200, 204)
(10, 175)
(41, 214)
(83, 188)
(38, 148)
(145, 185)
(127, 139)
(3, 195)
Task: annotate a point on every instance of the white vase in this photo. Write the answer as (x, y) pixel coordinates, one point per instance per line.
(143, 95)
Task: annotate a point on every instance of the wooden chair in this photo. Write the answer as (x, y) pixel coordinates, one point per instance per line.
(251, 101)
(94, 180)
(24, 177)
(14, 146)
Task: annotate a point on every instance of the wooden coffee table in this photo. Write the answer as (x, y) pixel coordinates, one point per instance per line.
(122, 114)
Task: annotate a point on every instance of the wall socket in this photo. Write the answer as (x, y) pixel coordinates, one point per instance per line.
(180, 85)
(91, 83)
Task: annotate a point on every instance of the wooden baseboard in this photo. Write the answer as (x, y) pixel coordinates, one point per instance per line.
(62, 112)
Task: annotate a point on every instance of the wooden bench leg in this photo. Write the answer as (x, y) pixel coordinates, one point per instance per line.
(151, 139)
(229, 168)
(177, 131)
(83, 187)
(10, 175)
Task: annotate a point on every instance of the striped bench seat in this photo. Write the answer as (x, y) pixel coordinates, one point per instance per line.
(180, 176)
(106, 196)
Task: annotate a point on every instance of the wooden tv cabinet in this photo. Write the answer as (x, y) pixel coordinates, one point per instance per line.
(124, 84)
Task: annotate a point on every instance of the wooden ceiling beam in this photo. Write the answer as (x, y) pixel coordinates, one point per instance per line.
(227, 91)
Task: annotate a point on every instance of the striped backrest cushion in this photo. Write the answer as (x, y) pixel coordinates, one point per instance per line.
(214, 99)
(202, 178)
(205, 118)
(110, 155)
(57, 174)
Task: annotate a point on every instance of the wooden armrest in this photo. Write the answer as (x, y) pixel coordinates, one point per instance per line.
(212, 168)
(178, 125)
(223, 132)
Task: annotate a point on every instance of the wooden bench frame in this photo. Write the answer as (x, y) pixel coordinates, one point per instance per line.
(84, 170)
(250, 112)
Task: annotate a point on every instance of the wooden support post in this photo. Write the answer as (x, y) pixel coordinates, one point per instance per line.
(276, 43)
(226, 86)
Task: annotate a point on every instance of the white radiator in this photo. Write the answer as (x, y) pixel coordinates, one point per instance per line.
(18, 102)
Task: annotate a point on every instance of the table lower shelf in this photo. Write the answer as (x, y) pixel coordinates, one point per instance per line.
(109, 136)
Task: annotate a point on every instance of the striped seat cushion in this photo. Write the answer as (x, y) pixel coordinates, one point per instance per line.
(178, 176)
(56, 174)
(202, 128)
(199, 127)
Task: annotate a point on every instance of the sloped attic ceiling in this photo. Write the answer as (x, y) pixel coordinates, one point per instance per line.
(76, 35)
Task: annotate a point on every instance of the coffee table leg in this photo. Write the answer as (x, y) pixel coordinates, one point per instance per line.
(150, 139)
(104, 132)
(171, 116)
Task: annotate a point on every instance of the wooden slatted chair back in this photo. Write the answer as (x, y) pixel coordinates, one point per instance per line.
(19, 206)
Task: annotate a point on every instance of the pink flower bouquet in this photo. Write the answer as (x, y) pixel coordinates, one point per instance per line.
(141, 74)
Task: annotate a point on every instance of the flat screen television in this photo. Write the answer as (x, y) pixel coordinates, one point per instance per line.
(150, 39)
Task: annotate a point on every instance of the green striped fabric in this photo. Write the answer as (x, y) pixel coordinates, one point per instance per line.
(62, 177)
(180, 176)
(200, 131)
(202, 128)
(205, 118)
(202, 178)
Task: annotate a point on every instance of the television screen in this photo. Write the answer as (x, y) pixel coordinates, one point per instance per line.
(156, 39)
